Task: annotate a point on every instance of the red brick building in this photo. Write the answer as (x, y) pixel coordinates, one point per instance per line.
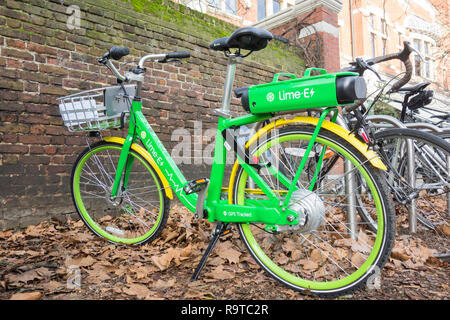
(370, 28)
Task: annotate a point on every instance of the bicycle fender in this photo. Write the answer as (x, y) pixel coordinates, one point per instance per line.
(330, 126)
(144, 153)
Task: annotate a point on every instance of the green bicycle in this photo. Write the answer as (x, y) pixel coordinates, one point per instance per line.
(295, 229)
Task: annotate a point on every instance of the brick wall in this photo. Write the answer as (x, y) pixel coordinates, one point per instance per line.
(42, 58)
(328, 52)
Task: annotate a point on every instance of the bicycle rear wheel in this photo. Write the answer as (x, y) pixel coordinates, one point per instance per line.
(431, 188)
(324, 256)
(140, 211)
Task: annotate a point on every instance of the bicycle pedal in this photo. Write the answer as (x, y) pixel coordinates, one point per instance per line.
(195, 186)
(227, 230)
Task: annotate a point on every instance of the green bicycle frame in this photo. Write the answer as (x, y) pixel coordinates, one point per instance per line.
(271, 212)
(218, 210)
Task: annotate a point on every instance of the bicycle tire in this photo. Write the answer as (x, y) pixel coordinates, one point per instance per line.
(320, 283)
(138, 217)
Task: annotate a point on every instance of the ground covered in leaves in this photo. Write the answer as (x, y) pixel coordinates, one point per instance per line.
(56, 260)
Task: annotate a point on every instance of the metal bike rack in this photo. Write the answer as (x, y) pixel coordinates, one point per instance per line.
(350, 182)
(412, 216)
(423, 125)
(350, 185)
(432, 128)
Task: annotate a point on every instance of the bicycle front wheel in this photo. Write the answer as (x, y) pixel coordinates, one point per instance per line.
(139, 212)
(330, 254)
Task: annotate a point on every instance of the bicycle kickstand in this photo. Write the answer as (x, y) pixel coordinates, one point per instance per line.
(219, 230)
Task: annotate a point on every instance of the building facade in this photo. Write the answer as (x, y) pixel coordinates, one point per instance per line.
(356, 28)
(369, 28)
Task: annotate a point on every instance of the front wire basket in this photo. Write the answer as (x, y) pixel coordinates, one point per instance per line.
(96, 109)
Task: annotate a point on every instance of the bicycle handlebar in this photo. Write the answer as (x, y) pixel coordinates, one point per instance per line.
(117, 53)
(178, 55)
(402, 56)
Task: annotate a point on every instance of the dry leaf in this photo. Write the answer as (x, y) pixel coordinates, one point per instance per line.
(120, 271)
(170, 236)
(308, 264)
(52, 285)
(33, 231)
(26, 296)
(230, 254)
(140, 272)
(281, 259)
(138, 290)
(163, 284)
(220, 274)
(163, 261)
(97, 274)
(445, 229)
(44, 272)
(186, 252)
(358, 259)
(82, 262)
(316, 256)
(23, 277)
(399, 255)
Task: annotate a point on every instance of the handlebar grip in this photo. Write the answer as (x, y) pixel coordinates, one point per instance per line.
(117, 53)
(178, 55)
(387, 57)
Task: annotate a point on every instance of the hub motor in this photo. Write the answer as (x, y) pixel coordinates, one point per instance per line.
(310, 209)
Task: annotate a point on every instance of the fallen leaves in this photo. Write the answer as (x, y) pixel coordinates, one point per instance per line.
(412, 253)
(16, 279)
(38, 262)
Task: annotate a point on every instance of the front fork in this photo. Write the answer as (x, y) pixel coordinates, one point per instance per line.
(123, 168)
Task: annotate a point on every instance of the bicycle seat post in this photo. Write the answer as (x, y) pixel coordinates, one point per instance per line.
(224, 111)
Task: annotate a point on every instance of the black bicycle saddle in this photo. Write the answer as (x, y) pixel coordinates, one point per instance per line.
(247, 38)
(415, 88)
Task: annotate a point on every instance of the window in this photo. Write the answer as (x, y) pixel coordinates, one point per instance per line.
(384, 46)
(383, 26)
(276, 6)
(427, 68)
(372, 44)
(417, 61)
(230, 6)
(261, 9)
(372, 21)
(427, 64)
(423, 68)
